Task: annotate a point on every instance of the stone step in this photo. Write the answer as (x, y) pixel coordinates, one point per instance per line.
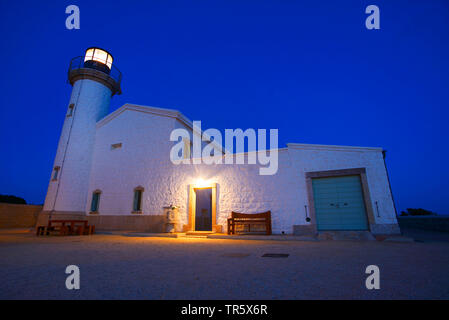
(198, 233)
(195, 236)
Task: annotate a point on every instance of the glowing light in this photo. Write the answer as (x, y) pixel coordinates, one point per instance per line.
(201, 183)
(99, 55)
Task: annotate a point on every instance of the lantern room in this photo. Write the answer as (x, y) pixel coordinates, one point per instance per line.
(99, 59)
(96, 64)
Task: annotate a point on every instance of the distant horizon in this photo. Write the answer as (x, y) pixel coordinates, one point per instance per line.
(311, 70)
(398, 213)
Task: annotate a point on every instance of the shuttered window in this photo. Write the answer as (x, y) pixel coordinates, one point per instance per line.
(187, 152)
(95, 202)
(70, 111)
(55, 173)
(137, 205)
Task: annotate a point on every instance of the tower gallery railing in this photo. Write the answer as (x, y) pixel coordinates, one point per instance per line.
(79, 63)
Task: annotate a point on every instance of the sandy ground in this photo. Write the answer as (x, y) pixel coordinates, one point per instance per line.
(119, 267)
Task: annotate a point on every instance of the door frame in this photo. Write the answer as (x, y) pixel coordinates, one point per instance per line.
(361, 172)
(192, 207)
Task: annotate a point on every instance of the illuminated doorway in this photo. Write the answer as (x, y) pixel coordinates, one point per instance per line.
(203, 209)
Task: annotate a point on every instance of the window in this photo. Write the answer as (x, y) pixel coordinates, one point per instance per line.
(187, 151)
(137, 203)
(55, 173)
(99, 55)
(70, 112)
(95, 201)
(116, 146)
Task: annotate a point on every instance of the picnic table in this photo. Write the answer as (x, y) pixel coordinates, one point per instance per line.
(66, 227)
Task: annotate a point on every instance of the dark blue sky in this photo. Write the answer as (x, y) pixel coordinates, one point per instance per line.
(309, 68)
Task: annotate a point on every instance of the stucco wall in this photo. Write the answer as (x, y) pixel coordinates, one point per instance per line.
(323, 158)
(18, 215)
(76, 145)
(241, 188)
(144, 161)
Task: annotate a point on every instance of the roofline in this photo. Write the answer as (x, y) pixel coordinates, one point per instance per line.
(305, 146)
(170, 113)
(176, 114)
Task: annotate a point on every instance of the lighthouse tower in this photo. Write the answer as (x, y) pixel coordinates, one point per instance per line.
(95, 80)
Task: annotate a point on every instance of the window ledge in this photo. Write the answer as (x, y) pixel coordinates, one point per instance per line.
(93, 212)
(137, 212)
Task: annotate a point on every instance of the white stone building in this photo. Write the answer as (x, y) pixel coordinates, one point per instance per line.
(115, 170)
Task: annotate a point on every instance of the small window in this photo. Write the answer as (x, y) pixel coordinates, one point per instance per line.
(116, 146)
(137, 203)
(187, 154)
(55, 173)
(95, 201)
(70, 112)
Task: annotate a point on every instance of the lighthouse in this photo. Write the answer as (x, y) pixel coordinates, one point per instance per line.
(95, 80)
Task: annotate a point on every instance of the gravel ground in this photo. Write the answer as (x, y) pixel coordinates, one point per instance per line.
(118, 267)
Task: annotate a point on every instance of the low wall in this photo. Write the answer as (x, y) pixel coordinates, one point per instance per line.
(426, 223)
(141, 223)
(18, 215)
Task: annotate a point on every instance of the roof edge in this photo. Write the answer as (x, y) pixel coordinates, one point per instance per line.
(171, 113)
(305, 146)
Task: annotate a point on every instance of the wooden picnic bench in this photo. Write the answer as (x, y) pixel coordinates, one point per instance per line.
(248, 219)
(66, 227)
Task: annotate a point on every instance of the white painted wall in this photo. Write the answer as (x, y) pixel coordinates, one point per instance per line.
(76, 146)
(144, 161)
(307, 158)
(242, 189)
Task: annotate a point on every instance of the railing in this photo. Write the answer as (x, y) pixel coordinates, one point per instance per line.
(78, 63)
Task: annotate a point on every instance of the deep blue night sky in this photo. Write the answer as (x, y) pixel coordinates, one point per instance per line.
(309, 68)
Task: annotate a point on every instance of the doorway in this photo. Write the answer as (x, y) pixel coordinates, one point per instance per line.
(204, 202)
(203, 209)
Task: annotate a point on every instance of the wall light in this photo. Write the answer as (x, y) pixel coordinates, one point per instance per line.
(201, 183)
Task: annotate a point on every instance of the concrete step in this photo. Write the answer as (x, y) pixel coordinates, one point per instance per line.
(274, 237)
(199, 232)
(195, 236)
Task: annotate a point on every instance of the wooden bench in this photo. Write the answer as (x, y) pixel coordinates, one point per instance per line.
(66, 227)
(248, 219)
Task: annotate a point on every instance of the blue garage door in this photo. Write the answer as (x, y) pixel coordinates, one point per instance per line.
(339, 203)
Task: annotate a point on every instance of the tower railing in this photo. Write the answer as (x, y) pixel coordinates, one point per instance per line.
(78, 63)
